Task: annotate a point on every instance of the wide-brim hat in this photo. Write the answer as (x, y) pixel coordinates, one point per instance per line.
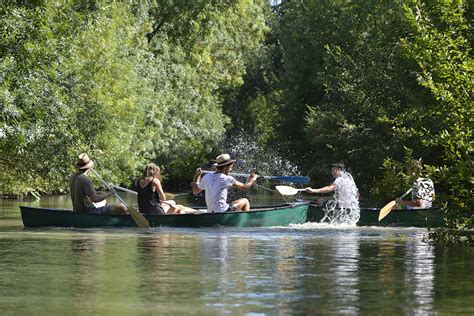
(223, 160)
(84, 162)
(338, 165)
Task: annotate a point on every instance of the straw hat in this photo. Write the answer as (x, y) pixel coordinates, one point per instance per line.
(84, 162)
(223, 159)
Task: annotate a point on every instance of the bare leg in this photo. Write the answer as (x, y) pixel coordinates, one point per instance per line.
(241, 205)
(178, 209)
(118, 208)
(170, 207)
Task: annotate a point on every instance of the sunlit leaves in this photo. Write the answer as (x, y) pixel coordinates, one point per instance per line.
(85, 76)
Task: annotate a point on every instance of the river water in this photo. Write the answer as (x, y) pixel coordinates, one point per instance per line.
(302, 269)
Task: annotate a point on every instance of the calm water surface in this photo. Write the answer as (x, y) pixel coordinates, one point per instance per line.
(303, 269)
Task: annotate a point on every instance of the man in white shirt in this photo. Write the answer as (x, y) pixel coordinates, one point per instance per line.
(346, 194)
(216, 186)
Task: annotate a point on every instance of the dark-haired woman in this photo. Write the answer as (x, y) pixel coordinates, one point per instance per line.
(151, 197)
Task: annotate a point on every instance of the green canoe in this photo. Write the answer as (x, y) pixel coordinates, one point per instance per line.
(431, 217)
(279, 215)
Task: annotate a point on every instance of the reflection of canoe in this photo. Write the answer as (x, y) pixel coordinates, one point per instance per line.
(431, 217)
(277, 215)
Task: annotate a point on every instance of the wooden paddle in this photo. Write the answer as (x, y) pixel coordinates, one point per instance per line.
(287, 190)
(390, 205)
(139, 219)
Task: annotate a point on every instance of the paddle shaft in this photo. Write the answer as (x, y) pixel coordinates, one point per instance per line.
(136, 193)
(404, 194)
(164, 202)
(108, 187)
(295, 179)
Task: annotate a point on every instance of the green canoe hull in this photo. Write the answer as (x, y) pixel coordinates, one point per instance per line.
(431, 217)
(282, 215)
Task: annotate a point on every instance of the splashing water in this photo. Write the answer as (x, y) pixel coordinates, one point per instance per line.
(250, 155)
(344, 208)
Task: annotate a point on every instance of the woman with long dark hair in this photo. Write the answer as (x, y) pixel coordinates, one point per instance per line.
(151, 197)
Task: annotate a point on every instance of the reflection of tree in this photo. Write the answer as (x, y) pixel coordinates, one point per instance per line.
(381, 273)
(153, 267)
(88, 257)
(168, 268)
(288, 280)
(397, 272)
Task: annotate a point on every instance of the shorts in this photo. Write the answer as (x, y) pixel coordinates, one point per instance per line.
(107, 209)
(231, 208)
(155, 211)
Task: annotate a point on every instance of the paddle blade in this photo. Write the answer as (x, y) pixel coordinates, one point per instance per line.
(138, 217)
(386, 209)
(169, 196)
(286, 190)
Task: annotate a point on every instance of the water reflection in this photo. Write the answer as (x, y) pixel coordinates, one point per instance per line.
(419, 276)
(345, 273)
(306, 269)
(291, 268)
(84, 257)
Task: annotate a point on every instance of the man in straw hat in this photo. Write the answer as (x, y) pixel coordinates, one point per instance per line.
(84, 195)
(216, 186)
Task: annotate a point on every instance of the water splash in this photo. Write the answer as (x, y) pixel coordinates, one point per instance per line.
(251, 155)
(344, 208)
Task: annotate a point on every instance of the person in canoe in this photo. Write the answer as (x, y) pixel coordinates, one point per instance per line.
(216, 186)
(422, 189)
(83, 194)
(200, 198)
(346, 194)
(151, 197)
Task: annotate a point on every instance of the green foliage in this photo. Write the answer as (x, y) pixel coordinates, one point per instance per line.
(361, 82)
(344, 73)
(392, 180)
(440, 41)
(254, 106)
(86, 76)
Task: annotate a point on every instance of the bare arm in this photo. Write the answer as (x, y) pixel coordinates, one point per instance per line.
(100, 196)
(415, 203)
(325, 189)
(196, 179)
(250, 181)
(159, 189)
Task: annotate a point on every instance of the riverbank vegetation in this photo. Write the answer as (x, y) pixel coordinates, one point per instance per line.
(373, 84)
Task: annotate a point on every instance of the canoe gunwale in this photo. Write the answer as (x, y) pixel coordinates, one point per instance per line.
(277, 215)
(257, 209)
(427, 217)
